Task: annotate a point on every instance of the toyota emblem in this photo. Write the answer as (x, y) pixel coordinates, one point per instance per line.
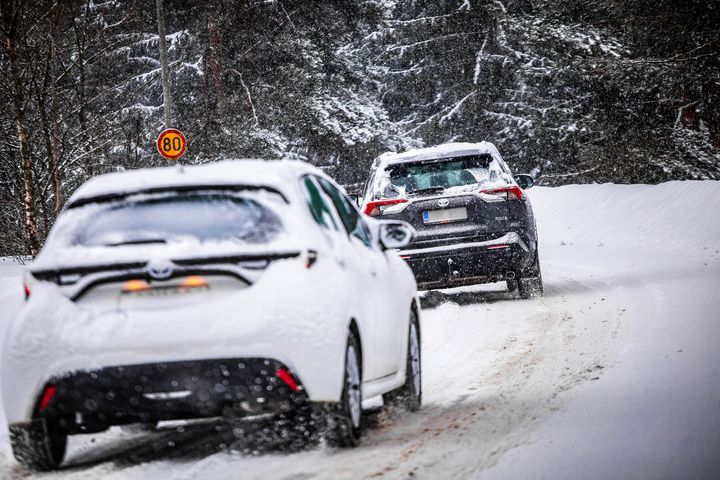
(160, 269)
(443, 202)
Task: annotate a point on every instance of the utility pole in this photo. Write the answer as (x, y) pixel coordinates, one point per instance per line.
(167, 100)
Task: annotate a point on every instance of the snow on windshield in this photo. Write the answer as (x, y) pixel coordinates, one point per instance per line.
(447, 175)
(167, 218)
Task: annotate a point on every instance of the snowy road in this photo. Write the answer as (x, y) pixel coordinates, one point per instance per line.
(614, 373)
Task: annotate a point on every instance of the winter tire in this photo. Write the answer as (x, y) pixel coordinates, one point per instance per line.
(40, 446)
(409, 395)
(344, 419)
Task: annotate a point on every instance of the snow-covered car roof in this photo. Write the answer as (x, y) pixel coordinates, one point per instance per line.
(271, 174)
(446, 150)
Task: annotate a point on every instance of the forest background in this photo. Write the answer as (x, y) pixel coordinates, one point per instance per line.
(572, 91)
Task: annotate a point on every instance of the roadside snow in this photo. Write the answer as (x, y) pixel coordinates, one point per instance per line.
(656, 414)
(612, 374)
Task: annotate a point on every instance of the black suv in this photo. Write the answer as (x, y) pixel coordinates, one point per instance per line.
(474, 222)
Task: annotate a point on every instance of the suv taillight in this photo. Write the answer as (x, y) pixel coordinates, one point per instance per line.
(512, 193)
(377, 207)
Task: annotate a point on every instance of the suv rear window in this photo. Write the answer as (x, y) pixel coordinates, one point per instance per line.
(199, 216)
(418, 177)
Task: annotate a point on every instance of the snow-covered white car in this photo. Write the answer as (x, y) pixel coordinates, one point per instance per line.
(235, 288)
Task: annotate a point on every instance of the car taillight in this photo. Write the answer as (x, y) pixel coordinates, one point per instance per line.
(512, 193)
(284, 375)
(47, 397)
(28, 284)
(377, 207)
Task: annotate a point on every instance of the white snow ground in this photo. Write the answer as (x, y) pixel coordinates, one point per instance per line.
(614, 373)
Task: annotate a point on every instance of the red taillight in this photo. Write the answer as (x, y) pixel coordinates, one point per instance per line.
(513, 193)
(376, 208)
(284, 375)
(27, 291)
(495, 247)
(47, 397)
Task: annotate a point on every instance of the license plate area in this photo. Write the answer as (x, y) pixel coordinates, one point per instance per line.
(447, 215)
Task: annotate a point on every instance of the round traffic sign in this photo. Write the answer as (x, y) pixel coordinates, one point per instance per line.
(171, 144)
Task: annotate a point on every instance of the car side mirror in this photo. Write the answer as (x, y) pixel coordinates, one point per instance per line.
(395, 234)
(524, 181)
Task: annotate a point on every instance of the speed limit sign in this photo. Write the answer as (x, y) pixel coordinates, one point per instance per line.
(171, 144)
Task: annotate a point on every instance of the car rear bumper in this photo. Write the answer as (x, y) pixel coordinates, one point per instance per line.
(94, 400)
(469, 263)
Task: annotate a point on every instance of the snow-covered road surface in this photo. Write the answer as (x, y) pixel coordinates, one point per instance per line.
(614, 373)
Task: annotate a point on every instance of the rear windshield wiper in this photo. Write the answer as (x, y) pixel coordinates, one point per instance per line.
(139, 241)
(427, 190)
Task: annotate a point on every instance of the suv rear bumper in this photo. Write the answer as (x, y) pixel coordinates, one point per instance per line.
(469, 263)
(95, 400)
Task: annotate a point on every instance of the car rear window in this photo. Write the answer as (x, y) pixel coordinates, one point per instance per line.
(199, 216)
(416, 177)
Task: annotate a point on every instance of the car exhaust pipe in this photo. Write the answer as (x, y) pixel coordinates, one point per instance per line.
(509, 274)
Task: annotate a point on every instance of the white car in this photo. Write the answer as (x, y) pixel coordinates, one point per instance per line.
(235, 288)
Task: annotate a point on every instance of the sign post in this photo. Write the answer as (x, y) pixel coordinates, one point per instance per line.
(171, 144)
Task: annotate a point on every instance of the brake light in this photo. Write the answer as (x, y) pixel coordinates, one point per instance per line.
(47, 397)
(194, 281)
(136, 286)
(27, 290)
(512, 193)
(495, 247)
(377, 207)
(284, 375)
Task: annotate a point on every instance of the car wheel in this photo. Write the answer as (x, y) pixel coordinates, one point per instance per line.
(39, 447)
(530, 282)
(344, 420)
(409, 396)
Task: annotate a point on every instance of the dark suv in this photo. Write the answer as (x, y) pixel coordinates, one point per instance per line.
(474, 222)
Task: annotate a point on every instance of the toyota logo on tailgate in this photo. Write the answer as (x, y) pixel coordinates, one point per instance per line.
(443, 202)
(160, 269)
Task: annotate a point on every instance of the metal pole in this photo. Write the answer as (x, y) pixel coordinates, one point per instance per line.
(167, 99)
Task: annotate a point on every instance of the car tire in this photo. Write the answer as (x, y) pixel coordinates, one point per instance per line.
(409, 395)
(344, 419)
(529, 282)
(40, 446)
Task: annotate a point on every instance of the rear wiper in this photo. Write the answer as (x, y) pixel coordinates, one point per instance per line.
(427, 190)
(139, 241)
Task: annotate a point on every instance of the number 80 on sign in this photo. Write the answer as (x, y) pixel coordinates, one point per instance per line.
(171, 144)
